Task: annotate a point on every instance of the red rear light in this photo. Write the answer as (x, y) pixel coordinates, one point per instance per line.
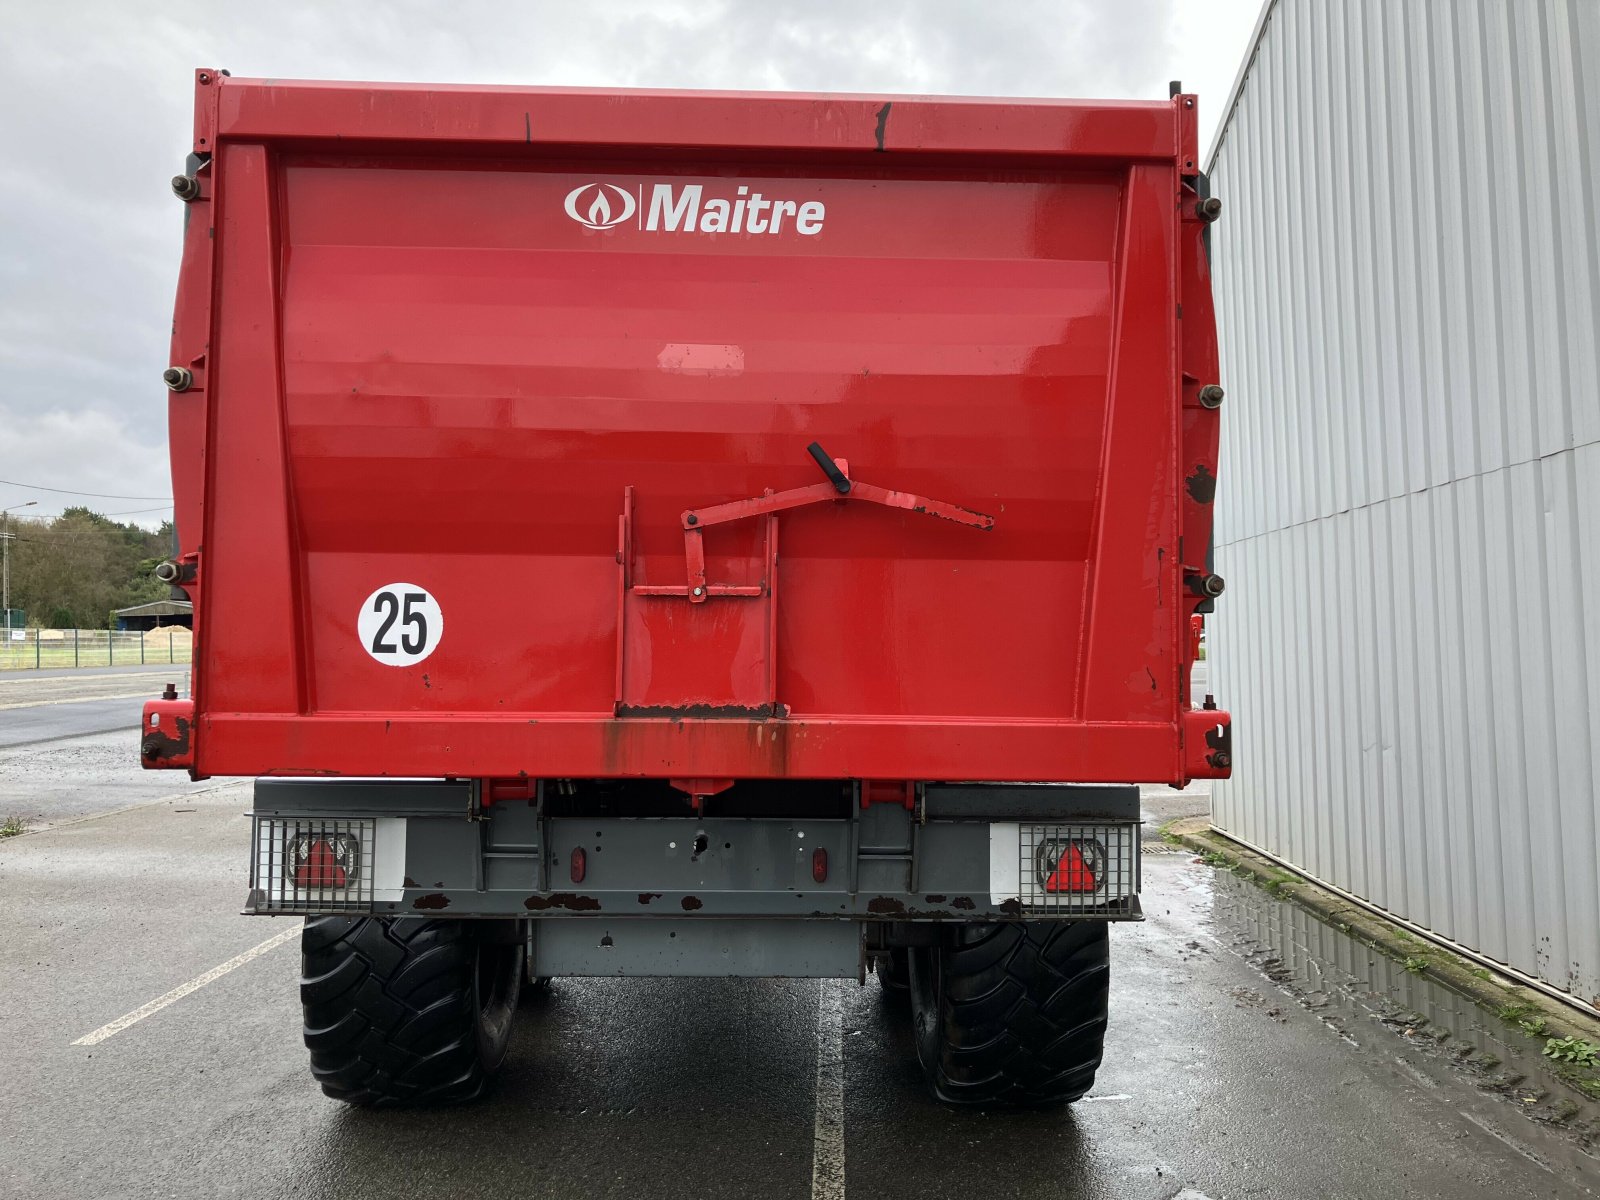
(315, 864)
(1079, 868)
(323, 862)
(819, 865)
(580, 864)
(1069, 866)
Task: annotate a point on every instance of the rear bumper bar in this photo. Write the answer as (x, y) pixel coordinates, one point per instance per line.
(579, 746)
(968, 852)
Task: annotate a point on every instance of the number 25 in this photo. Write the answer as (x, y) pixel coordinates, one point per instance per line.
(389, 604)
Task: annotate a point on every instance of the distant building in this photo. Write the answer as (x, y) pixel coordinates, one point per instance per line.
(158, 614)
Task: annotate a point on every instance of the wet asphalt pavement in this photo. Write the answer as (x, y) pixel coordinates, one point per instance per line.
(69, 742)
(1253, 1052)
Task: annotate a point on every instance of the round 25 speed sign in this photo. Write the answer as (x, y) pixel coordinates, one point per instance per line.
(400, 624)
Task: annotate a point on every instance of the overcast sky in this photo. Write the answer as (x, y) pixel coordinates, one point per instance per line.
(96, 100)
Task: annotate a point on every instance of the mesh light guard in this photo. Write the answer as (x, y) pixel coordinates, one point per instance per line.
(272, 887)
(1116, 895)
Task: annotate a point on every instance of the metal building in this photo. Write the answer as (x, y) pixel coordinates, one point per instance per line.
(1408, 284)
(156, 614)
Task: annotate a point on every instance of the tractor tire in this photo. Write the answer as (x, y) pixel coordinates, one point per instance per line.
(892, 974)
(535, 990)
(1012, 1014)
(407, 1011)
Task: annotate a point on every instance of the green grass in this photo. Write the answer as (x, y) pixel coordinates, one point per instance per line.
(1416, 963)
(12, 826)
(21, 656)
(1276, 881)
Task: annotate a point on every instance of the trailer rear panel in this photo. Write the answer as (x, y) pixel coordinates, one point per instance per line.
(473, 381)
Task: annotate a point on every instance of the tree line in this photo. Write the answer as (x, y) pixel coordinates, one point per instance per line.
(75, 570)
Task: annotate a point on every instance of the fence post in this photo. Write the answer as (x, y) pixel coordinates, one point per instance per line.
(111, 647)
(141, 647)
(170, 656)
(74, 645)
(36, 640)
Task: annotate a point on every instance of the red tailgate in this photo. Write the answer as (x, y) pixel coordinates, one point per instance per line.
(464, 359)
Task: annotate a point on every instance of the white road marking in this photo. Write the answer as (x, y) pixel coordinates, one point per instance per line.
(183, 989)
(148, 694)
(22, 675)
(827, 1153)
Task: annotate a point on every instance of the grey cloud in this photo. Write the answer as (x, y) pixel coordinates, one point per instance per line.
(98, 98)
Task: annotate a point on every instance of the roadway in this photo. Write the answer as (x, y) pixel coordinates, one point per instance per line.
(69, 742)
(40, 706)
(1253, 1051)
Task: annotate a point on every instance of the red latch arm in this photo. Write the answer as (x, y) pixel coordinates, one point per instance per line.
(738, 510)
(934, 508)
(839, 487)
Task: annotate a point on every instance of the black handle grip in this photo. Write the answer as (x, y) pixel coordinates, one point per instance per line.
(841, 482)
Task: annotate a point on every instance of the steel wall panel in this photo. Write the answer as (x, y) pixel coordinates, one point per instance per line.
(1408, 289)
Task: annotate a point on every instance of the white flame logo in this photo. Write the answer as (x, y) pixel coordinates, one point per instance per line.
(600, 212)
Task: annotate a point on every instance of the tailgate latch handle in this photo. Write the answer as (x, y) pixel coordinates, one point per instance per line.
(839, 487)
(841, 481)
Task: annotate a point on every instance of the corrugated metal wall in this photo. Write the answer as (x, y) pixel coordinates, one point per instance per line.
(1408, 280)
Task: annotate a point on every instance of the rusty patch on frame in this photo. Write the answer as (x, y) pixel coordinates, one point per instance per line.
(566, 900)
(157, 745)
(1220, 740)
(706, 712)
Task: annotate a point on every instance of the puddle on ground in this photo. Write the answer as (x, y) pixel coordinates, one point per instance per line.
(1371, 1000)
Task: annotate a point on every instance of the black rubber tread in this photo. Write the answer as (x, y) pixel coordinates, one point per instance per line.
(1013, 1014)
(392, 1009)
(893, 974)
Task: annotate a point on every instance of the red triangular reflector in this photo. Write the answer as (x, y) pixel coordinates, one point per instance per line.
(1072, 874)
(320, 869)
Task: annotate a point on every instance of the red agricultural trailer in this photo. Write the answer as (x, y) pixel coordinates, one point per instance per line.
(666, 533)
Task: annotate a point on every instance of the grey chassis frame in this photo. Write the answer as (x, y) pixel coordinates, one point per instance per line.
(706, 895)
